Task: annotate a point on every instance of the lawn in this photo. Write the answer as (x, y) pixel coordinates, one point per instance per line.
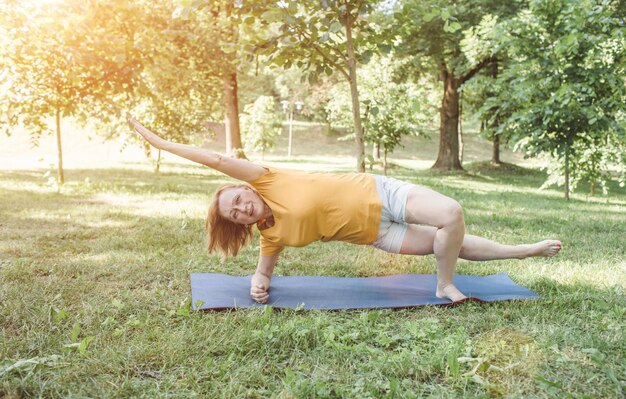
(94, 296)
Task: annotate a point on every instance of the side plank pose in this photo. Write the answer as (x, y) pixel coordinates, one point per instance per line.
(293, 208)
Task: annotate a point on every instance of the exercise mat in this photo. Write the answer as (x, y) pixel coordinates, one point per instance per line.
(221, 291)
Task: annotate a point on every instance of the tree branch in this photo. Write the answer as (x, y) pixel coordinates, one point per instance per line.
(320, 50)
(476, 69)
(325, 56)
(83, 90)
(359, 7)
(443, 70)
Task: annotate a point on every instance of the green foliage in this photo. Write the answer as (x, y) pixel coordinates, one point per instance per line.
(231, 29)
(64, 57)
(478, 42)
(312, 35)
(261, 124)
(389, 118)
(101, 61)
(323, 38)
(391, 109)
(180, 85)
(452, 41)
(595, 158)
(564, 93)
(447, 35)
(283, 84)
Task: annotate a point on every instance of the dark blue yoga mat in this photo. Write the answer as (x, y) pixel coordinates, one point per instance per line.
(221, 291)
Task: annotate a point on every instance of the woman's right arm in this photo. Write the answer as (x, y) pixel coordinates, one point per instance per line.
(240, 169)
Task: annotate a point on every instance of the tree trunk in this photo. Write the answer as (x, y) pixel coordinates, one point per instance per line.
(385, 162)
(354, 93)
(495, 153)
(567, 172)
(231, 98)
(157, 167)
(593, 188)
(231, 120)
(448, 157)
(61, 177)
(593, 174)
(147, 149)
(376, 151)
(290, 133)
(461, 143)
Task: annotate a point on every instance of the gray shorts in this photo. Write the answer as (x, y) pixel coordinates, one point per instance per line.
(393, 194)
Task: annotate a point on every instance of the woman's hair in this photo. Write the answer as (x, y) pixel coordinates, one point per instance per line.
(224, 235)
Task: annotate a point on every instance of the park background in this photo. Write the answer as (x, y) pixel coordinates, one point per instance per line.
(96, 246)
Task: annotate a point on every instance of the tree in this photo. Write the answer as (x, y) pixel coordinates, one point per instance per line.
(480, 42)
(60, 56)
(324, 37)
(565, 88)
(179, 87)
(430, 33)
(477, 95)
(227, 16)
(261, 124)
(389, 114)
(493, 134)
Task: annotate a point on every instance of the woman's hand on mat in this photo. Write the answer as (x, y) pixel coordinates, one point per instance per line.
(259, 288)
(150, 137)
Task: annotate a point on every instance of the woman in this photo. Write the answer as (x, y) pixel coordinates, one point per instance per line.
(293, 208)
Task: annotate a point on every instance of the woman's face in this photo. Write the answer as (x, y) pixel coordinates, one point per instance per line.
(241, 205)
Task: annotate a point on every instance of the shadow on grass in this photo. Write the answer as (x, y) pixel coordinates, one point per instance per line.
(507, 175)
(88, 181)
(478, 171)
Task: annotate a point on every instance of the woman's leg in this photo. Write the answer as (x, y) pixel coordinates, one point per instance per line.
(419, 240)
(481, 249)
(425, 206)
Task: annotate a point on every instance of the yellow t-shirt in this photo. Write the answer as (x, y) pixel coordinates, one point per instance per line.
(309, 207)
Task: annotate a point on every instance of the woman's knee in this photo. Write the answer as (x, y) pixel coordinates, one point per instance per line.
(453, 214)
(425, 206)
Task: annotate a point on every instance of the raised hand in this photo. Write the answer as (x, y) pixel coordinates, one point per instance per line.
(240, 169)
(149, 136)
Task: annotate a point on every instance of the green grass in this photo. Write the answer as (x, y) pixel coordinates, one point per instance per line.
(94, 298)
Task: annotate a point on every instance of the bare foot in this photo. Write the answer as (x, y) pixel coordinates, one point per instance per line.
(451, 292)
(547, 248)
